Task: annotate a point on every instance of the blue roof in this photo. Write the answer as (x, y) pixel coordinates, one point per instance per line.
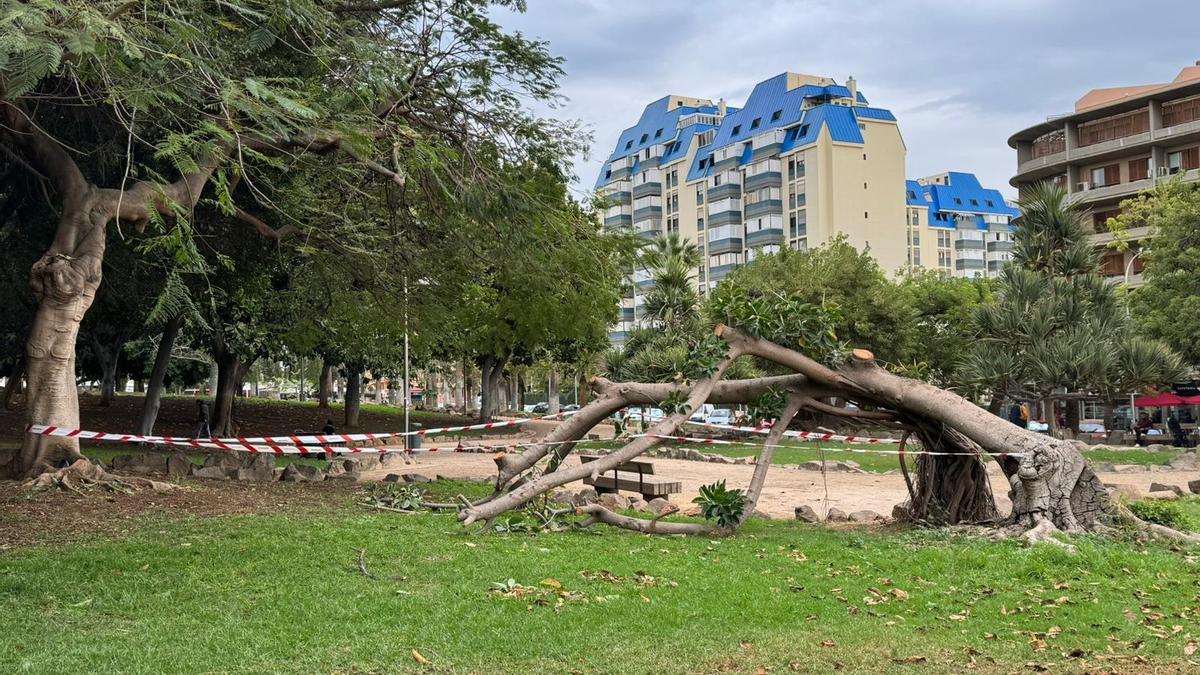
(656, 125)
(962, 195)
(770, 98)
(679, 147)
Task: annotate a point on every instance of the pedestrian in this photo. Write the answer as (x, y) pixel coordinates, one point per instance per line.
(1024, 415)
(328, 428)
(1140, 429)
(1014, 414)
(202, 428)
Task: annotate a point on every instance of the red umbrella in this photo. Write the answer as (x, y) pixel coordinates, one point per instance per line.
(1191, 400)
(1162, 400)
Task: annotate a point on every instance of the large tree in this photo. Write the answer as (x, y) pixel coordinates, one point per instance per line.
(223, 94)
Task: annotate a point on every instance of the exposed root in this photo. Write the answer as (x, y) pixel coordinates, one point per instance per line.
(1044, 532)
(85, 474)
(599, 514)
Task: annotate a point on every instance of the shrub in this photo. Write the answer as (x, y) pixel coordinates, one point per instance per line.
(1159, 511)
(722, 505)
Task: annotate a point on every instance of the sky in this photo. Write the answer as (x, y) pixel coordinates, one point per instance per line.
(960, 75)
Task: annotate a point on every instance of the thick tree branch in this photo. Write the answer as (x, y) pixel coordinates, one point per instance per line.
(285, 232)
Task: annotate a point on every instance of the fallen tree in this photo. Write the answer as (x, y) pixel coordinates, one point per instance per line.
(1053, 489)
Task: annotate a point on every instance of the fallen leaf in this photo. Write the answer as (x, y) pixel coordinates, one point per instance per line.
(552, 583)
(1054, 632)
(899, 594)
(420, 659)
(828, 643)
(911, 659)
(1190, 648)
(1038, 644)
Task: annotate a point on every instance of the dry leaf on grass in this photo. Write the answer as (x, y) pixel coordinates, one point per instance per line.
(419, 658)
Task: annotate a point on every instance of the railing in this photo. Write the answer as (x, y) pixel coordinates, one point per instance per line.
(1049, 144)
(1113, 128)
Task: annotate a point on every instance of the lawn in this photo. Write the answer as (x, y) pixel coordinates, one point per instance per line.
(282, 592)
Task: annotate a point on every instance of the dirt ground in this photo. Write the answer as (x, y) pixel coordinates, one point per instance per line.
(785, 489)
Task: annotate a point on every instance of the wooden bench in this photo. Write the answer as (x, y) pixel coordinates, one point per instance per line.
(636, 475)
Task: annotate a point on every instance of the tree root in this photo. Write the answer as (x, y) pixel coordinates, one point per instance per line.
(86, 474)
(598, 514)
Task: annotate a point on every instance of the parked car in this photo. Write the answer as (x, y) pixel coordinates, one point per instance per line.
(720, 416)
(539, 408)
(570, 408)
(702, 412)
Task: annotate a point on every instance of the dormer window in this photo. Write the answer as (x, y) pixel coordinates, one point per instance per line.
(974, 202)
(755, 124)
(989, 203)
(644, 137)
(776, 115)
(737, 129)
(629, 145)
(658, 133)
(958, 201)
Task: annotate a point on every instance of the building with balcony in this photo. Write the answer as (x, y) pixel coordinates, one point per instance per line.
(1117, 142)
(805, 160)
(955, 225)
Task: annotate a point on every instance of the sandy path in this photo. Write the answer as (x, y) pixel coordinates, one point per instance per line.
(785, 488)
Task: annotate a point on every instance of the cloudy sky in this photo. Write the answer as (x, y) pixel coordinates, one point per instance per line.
(961, 76)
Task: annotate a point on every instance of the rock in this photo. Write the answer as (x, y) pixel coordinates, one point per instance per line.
(900, 511)
(1127, 490)
(416, 478)
(1159, 487)
(719, 459)
(1162, 494)
(864, 517)
(807, 514)
(614, 502)
(178, 464)
(390, 458)
(227, 461)
(1098, 467)
(585, 496)
(258, 467)
(366, 462)
(639, 505)
(835, 515)
(1185, 462)
(349, 476)
(1157, 447)
(1128, 468)
(213, 472)
(659, 506)
(831, 466)
(393, 478)
(1194, 486)
(121, 462)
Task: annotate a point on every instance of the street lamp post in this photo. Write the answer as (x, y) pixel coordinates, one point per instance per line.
(1129, 265)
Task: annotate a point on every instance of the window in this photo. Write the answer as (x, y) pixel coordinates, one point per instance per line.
(658, 133)
(912, 195)
(702, 163)
(629, 145)
(716, 180)
(989, 202)
(644, 137)
(776, 115)
(916, 238)
(755, 124)
(864, 156)
(974, 202)
(1174, 162)
(1139, 169)
(737, 129)
(803, 130)
(958, 201)
(862, 127)
(916, 219)
(916, 256)
(1106, 175)
(700, 224)
(866, 215)
(864, 186)
(699, 196)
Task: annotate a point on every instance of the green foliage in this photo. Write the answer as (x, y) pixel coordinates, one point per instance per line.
(1167, 306)
(393, 496)
(675, 402)
(704, 357)
(720, 504)
(785, 318)
(769, 406)
(1159, 511)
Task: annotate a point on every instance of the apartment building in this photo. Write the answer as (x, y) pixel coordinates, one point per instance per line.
(804, 160)
(1117, 142)
(956, 226)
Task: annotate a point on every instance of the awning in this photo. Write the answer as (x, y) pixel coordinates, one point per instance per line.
(1162, 400)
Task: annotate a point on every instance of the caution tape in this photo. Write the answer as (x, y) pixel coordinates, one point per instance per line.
(320, 440)
(689, 440)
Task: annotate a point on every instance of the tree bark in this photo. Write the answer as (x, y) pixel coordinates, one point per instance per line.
(158, 374)
(324, 386)
(230, 371)
(1072, 415)
(353, 397)
(520, 392)
(107, 355)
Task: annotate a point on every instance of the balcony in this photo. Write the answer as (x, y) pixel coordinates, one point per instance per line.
(724, 191)
(969, 244)
(618, 221)
(1117, 145)
(647, 213)
(765, 236)
(1106, 238)
(725, 239)
(762, 180)
(969, 264)
(1095, 194)
(719, 273)
(764, 207)
(1178, 132)
(647, 189)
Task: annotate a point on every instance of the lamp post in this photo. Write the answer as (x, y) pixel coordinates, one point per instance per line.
(1129, 265)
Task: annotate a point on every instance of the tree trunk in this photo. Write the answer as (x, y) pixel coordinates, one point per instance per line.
(520, 392)
(324, 386)
(1072, 415)
(158, 374)
(107, 355)
(1110, 415)
(353, 397)
(64, 281)
(584, 389)
(15, 379)
(485, 388)
(229, 380)
(552, 392)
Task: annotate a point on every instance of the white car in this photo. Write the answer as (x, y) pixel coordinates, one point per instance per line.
(720, 416)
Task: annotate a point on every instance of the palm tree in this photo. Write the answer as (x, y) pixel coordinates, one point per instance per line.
(1059, 330)
(673, 301)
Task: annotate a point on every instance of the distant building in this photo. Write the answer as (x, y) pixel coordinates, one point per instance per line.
(804, 160)
(956, 226)
(1117, 142)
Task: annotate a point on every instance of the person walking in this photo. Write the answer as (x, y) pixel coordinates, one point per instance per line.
(1141, 428)
(202, 427)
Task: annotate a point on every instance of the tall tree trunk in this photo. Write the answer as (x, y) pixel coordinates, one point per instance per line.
(1110, 415)
(158, 374)
(1072, 415)
(231, 373)
(353, 397)
(324, 386)
(584, 389)
(15, 379)
(107, 355)
(520, 392)
(552, 392)
(996, 405)
(139, 386)
(485, 388)
(460, 387)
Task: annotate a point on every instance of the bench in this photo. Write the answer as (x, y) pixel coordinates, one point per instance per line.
(636, 475)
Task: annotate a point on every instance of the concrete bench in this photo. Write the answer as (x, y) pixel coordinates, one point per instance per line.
(636, 475)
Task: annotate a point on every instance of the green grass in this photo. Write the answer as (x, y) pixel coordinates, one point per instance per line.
(282, 594)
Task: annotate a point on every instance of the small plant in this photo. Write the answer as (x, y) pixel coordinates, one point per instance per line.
(675, 402)
(720, 504)
(1159, 512)
(769, 406)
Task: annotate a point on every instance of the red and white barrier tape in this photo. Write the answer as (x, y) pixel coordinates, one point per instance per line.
(302, 440)
(688, 440)
(809, 435)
